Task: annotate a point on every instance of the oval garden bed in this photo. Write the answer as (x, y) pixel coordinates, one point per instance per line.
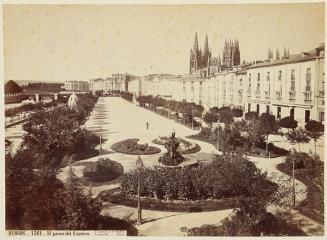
(115, 196)
(103, 170)
(130, 146)
(217, 185)
(185, 147)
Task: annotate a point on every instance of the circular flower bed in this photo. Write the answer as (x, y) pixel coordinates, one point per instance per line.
(103, 170)
(185, 147)
(130, 146)
(226, 176)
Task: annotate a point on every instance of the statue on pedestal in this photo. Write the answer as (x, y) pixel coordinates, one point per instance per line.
(172, 157)
(72, 101)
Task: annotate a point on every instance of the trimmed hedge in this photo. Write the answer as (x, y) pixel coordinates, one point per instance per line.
(130, 146)
(120, 198)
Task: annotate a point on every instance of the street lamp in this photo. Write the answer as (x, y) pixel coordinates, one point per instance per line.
(293, 175)
(217, 136)
(139, 165)
(192, 118)
(100, 137)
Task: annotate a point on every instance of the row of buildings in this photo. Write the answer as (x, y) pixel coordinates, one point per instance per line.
(291, 85)
(76, 86)
(117, 82)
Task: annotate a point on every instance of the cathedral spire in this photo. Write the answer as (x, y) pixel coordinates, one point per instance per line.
(206, 45)
(196, 45)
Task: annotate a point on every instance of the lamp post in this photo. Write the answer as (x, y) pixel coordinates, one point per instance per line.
(100, 137)
(192, 118)
(139, 165)
(217, 136)
(293, 188)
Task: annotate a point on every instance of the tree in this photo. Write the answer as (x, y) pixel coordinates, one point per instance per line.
(269, 125)
(251, 115)
(315, 131)
(287, 122)
(225, 115)
(298, 136)
(254, 133)
(237, 112)
(12, 87)
(210, 118)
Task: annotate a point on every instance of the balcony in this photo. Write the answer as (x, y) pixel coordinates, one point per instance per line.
(292, 95)
(307, 96)
(279, 95)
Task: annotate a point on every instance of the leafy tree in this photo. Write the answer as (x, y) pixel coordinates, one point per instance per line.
(298, 136)
(225, 115)
(230, 139)
(315, 131)
(237, 112)
(210, 117)
(287, 122)
(269, 125)
(251, 115)
(12, 87)
(254, 133)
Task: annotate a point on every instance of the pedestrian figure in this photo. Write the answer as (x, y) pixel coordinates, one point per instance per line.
(147, 126)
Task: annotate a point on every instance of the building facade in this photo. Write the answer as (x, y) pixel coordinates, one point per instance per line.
(289, 86)
(78, 86)
(117, 82)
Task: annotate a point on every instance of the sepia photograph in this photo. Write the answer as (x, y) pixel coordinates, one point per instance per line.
(163, 120)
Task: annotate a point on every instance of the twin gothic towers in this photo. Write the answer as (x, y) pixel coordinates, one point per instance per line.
(202, 61)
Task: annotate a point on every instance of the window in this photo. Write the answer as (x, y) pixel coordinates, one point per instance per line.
(279, 75)
(292, 80)
(258, 109)
(322, 117)
(307, 116)
(279, 112)
(258, 79)
(308, 80)
(268, 76)
(267, 109)
(249, 107)
(292, 113)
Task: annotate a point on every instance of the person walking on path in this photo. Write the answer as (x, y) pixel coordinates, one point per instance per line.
(147, 126)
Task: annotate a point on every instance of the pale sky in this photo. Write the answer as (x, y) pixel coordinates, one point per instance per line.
(79, 42)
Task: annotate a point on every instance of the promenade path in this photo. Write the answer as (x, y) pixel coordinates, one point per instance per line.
(121, 120)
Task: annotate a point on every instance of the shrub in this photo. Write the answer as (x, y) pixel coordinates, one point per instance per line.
(310, 164)
(314, 126)
(287, 122)
(103, 170)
